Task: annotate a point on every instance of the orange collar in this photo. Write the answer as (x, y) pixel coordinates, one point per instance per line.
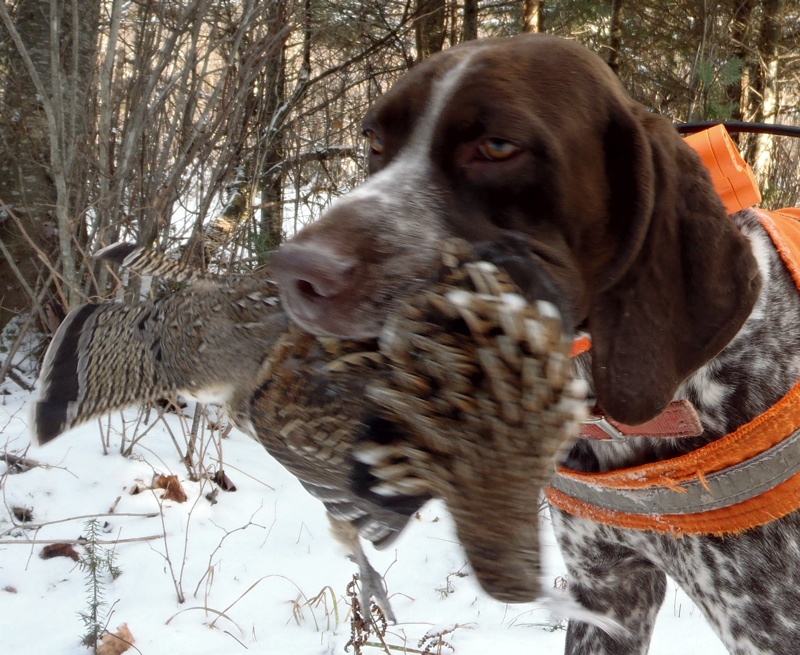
(711, 490)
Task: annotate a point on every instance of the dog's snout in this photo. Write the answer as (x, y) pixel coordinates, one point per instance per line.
(315, 282)
(311, 272)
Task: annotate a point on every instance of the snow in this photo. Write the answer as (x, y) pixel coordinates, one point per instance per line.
(259, 570)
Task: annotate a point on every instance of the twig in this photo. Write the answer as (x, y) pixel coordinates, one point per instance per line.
(39, 526)
(56, 276)
(231, 467)
(127, 451)
(20, 462)
(227, 534)
(191, 438)
(236, 639)
(186, 535)
(205, 609)
(178, 590)
(13, 265)
(19, 380)
(402, 649)
(6, 367)
(185, 459)
(76, 542)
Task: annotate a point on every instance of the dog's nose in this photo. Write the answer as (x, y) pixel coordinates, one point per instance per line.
(311, 278)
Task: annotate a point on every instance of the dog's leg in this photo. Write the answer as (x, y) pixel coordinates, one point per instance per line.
(611, 580)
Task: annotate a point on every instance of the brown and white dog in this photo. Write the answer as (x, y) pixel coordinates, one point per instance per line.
(530, 148)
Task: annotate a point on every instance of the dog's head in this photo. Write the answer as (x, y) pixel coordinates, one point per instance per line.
(530, 148)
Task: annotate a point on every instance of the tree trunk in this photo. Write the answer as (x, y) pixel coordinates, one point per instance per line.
(430, 27)
(615, 36)
(533, 16)
(740, 27)
(470, 20)
(765, 85)
(271, 171)
(25, 184)
(41, 130)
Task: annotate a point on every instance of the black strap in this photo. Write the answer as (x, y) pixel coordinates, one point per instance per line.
(736, 126)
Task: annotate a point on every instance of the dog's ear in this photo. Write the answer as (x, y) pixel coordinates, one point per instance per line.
(682, 278)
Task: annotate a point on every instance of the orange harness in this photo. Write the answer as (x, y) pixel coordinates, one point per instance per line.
(708, 491)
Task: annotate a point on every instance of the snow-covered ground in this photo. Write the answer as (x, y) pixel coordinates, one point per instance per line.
(258, 569)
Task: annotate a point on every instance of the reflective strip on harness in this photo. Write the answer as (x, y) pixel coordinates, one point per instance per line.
(647, 497)
(731, 486)
(769, 506)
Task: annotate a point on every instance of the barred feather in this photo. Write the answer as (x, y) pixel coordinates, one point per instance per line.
(110, 356)
(480, 398)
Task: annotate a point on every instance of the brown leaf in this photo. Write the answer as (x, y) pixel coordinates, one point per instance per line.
(59, 550)
(172, 486)
(172, 405)
(22, 514)
(117, 643)
(138, 488)
(224, 482)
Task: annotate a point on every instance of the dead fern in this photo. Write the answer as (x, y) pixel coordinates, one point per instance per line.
(434, 642)
(362, 627)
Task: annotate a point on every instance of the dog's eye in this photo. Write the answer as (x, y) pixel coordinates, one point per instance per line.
(498, 149)
(375, 142)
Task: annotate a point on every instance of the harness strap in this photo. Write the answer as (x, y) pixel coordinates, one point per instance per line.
(747, 478)
(732, 485)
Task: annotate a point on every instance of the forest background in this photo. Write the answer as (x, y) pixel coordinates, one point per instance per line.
(211, 129)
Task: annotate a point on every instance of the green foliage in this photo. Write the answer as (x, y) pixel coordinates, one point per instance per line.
(731, 71)
(715, 78)
(99, 567)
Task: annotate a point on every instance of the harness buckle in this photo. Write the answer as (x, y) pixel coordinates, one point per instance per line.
(601, 422)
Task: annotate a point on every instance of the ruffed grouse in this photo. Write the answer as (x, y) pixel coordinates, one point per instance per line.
(467, 396)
